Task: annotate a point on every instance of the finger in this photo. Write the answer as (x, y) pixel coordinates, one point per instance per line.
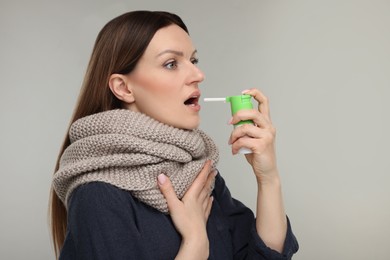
(208, 207)
(254, 144)
(251, 131)
(258, 118)
(167, 190)
(211, 181)
(200, 181)
(247, 130)
(263, 101)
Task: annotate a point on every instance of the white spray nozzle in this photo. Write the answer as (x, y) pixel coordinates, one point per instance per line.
(237, 103)
(214, 99)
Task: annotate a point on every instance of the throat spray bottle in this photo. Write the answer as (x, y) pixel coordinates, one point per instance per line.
(237, 103)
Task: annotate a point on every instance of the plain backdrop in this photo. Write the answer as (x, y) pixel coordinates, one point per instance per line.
(325, 65)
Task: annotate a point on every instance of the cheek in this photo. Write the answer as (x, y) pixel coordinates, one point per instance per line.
(144, 88)
(160, 92)
(153, 83)
(156, 101)
(155, 90)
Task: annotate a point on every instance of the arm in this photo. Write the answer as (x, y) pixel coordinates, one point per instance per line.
(271, 222)
(246, 243)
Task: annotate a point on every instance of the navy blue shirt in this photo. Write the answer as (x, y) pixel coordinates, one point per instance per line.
(105, 222)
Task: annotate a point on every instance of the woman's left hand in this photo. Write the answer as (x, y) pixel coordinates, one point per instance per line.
(259, 138)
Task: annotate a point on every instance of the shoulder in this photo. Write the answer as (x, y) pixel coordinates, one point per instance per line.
(98, 191)
(99, 197)
(102, 223)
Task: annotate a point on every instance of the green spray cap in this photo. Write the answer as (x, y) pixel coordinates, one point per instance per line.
(238, 103)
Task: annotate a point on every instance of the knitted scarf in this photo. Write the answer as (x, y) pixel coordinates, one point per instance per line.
(129, 150)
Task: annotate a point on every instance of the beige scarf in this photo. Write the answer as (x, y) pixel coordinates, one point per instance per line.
(129, 150)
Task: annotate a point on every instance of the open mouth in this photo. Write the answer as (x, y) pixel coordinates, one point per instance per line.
(192, 101)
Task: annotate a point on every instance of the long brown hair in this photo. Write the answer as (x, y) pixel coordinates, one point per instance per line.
(118, 48)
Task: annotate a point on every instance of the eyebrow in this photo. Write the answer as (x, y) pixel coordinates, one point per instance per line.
(178, 53)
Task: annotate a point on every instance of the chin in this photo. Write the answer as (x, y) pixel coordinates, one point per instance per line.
(188, 125)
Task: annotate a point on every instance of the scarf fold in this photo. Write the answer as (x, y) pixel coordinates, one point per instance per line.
(129, 150)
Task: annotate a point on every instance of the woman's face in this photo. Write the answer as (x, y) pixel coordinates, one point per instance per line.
(165, 81)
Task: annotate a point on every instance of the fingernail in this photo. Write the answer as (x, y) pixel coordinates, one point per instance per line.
(245, 91)
(161, 178)
(230, 121)
(229, 142)
(215, 173)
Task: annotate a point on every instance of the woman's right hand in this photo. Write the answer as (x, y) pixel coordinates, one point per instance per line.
(190, 214)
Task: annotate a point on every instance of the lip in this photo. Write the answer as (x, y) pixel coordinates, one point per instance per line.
(195, 94)
(195, 107)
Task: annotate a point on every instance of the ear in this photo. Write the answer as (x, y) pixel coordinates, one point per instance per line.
(120, 87)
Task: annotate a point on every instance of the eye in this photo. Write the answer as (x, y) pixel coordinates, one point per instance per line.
(195, 61)
(171, 65)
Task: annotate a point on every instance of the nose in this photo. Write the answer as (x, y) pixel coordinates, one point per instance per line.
(196, 75)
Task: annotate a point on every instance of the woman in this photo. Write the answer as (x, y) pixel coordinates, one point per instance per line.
(136, 179)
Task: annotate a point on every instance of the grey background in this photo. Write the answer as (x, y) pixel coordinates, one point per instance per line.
(324, 65)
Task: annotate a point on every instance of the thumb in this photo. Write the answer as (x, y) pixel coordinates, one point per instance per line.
(167, 190)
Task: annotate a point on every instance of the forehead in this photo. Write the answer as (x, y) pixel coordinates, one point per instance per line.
(171, 37)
